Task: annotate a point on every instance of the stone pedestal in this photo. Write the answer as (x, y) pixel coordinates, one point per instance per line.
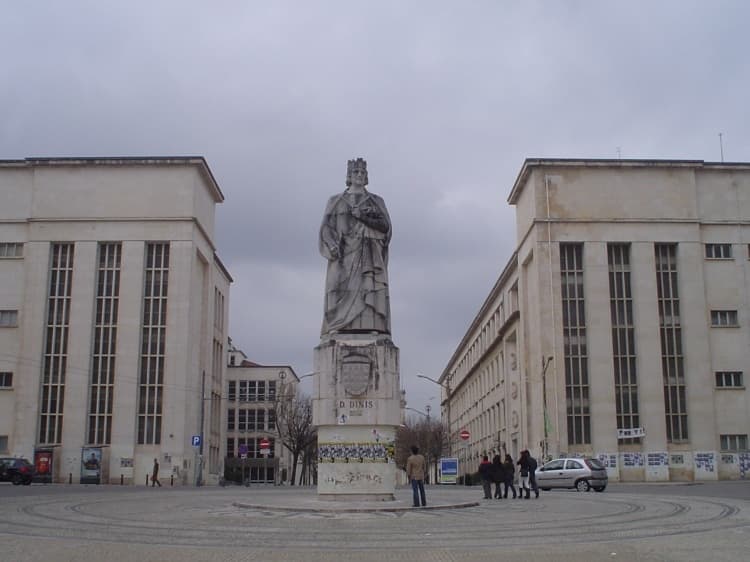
(357, 409)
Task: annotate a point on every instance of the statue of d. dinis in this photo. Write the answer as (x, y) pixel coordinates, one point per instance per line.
(354, 238)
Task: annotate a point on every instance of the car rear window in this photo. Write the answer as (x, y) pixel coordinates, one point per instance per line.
(595, 464)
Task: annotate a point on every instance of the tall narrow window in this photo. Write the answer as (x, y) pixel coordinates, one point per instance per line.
(151, 382)
(105, 339)
(670, 327)
(56, 344)
(574, 339)
(623, 338)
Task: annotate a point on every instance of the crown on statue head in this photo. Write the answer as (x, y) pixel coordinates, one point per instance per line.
(358, 164)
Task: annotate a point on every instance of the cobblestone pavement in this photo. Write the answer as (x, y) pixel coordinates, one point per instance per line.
(54, 523)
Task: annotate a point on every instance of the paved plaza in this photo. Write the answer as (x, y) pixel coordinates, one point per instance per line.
(627, 522)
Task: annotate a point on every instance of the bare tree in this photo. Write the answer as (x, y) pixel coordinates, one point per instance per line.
(431, 436)
(294, 426)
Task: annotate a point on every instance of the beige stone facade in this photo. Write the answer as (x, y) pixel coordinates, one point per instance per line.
(117, 305)
(620, 327)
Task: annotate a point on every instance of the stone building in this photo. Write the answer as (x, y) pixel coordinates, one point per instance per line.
(252, 392)
(620, 327)
(113, 318)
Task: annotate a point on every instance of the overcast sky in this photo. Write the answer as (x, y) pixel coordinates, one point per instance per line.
(444, 99)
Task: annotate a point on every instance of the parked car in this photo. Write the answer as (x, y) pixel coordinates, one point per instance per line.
(579, 473)
(18, 471)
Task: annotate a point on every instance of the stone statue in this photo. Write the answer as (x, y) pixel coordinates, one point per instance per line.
(354, 239)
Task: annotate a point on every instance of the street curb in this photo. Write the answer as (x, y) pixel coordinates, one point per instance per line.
(353, 509)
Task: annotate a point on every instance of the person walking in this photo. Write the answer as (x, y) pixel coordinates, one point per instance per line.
(415, 470)
(485, 474)
(523, 472)
(509, 474)
(498, 475)
(532, 474)
(155, 474)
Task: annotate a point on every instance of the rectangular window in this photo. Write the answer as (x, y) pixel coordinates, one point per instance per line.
(241, 420)
(252, 420)
(729, 379)
(623, 339)
(720, 318)
(670, 329)
(719, 251)
(230, 419)
(230, 446)
(153, 340)
(54, 365)
(105, 344)
(4, 444)
(6, 379)
(11, 250)
(734, 443)
(271, 391)
(271, 420)
(574, 339)
(9, 318)
(243, 396)
(232, 391)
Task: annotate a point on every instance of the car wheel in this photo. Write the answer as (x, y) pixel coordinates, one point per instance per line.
(583, 486)
(599, 488)
(17, 479)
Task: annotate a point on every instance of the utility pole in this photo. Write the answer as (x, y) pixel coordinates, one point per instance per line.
(199, 477)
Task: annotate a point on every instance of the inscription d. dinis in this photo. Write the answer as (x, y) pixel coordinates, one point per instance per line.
(356, 403)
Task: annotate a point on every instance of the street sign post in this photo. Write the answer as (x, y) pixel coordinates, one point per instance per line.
(265, 449)
(465, 434)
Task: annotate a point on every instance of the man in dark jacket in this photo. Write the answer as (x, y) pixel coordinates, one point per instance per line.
(485, 474)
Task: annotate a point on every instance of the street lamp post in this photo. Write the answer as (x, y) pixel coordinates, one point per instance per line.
(447, 387)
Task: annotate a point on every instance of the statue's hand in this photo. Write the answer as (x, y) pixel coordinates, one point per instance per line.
(334, 252)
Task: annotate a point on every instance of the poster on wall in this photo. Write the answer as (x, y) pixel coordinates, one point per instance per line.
(43, 466)
(91, 465)
(448, 470)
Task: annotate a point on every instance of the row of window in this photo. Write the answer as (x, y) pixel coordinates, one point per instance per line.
(11, 249)
(251, 391)
(249, 446)
(721, 251)
(251, 420)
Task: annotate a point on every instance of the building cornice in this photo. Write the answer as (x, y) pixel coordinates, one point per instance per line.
(197, 161)
(531, 163)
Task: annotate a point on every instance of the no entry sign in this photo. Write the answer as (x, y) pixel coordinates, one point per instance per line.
(465, 434)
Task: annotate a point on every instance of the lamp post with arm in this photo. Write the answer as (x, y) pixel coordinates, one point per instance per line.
(447, 387)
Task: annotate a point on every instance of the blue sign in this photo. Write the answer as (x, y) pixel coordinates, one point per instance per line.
(196, 440)
(448, 470)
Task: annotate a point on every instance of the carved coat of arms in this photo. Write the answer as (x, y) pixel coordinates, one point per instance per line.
(355, 373)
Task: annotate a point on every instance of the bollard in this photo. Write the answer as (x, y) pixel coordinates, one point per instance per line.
(70, 477)
(122, 479)
(171, 480)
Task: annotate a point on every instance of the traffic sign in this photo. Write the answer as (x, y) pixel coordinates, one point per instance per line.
(243, 450)
(464, 434)
(196, 440)
(264, 443)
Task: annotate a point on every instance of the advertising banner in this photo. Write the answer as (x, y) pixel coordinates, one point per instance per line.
(448, 471)
(91, 465)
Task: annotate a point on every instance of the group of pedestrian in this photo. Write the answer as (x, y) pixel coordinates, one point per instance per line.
(502, 474)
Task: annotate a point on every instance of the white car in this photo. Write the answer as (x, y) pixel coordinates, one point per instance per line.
(579, 473)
